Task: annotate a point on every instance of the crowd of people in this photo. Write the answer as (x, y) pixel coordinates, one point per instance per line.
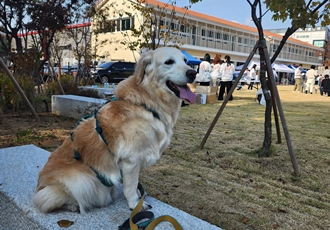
(305, 83)
(221, 73)
(217, 73)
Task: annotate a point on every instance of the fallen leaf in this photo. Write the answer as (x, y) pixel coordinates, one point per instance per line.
(65, 223)
(201, 207)
(253, 210)
(275, 226)
(281, 210)
(327, 161)
(244, 220)
(239, 175)
(281, 180)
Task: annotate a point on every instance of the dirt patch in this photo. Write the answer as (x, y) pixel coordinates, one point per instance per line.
(21, 130)
(226, 183)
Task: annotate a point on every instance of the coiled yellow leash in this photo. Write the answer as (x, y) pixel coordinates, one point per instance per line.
(151, 223)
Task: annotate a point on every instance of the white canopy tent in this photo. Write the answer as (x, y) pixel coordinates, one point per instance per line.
(249, 66)
(281, 68)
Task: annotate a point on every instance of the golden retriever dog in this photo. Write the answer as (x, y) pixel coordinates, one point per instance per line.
(114, 144)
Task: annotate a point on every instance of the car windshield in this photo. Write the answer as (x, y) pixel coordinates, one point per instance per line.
(105, 65)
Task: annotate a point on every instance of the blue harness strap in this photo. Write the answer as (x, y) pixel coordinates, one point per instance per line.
(99, 129)
(105, 181)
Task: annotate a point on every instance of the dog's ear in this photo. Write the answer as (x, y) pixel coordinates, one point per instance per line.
(140, 68)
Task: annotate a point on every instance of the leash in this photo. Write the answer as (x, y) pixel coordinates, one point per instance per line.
(145, 220)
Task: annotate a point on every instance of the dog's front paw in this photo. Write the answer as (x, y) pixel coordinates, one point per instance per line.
(145, 206)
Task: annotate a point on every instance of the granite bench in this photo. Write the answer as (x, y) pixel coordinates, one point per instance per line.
(19, 167)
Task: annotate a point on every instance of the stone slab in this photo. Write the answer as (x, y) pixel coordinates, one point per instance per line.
(19, 168)
(102, 92)
(75, 106)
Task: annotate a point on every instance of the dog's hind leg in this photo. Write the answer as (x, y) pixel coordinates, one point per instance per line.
(51, 198)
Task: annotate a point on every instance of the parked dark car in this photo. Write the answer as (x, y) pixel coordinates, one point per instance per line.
(113, 72)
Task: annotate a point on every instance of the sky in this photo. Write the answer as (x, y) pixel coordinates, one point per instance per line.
(232, 10)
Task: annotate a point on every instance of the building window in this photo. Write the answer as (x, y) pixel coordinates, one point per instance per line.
(183, 28)
(318, 43)
(108, 26)
(203, 33)
(126, 24)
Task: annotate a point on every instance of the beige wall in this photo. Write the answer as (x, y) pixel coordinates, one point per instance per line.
(112, 50)
(197, 45)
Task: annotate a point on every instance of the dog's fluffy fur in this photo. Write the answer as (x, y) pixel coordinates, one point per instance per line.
(135, 136)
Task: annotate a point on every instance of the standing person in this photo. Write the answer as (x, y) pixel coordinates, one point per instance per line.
(297, 79)
(227, 74)
(204, 73)
(246, 74)
(216, 73)
(275, 75)
(326, 71)
(253, 74)
(310, 75)
(245, 77)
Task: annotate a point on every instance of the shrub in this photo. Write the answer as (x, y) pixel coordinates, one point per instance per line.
(70, 87)
(10, 97)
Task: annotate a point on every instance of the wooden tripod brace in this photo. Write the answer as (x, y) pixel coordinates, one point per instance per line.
(261, 44)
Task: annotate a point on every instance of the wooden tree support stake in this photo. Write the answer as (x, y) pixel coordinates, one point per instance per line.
(3, 65)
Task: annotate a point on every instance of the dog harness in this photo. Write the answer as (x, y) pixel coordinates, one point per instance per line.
(138, 220)
(105, 181)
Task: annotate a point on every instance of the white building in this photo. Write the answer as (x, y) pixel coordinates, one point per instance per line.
(317, 36)
(211, 35)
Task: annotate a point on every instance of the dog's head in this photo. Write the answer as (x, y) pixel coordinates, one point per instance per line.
(166, 68)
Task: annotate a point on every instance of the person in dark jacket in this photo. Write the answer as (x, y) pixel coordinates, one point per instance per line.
(325, 85)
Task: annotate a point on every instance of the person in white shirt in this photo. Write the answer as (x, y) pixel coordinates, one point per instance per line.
(245, 78)
(216, 73)
(246, 74)
(326, 71)
(204, 72)
(253, 74)
(227, 74)
(310, 75)
(297, 79)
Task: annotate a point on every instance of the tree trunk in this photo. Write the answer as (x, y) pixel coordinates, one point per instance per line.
(265, 149)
